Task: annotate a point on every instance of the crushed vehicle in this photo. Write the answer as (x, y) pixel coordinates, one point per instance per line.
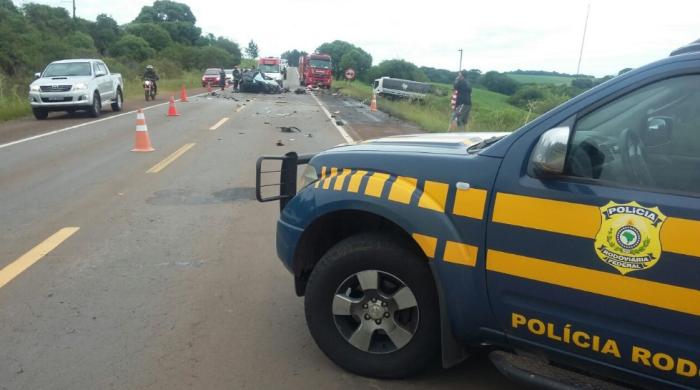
(76, 85)
(568, 248)
(399, 88)
(258, 82)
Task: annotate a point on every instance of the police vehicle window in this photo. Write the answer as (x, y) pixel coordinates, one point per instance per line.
(648, 138)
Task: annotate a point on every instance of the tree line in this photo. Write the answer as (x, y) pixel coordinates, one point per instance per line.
(165, 34)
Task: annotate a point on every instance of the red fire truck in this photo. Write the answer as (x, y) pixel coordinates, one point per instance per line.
(316, 69)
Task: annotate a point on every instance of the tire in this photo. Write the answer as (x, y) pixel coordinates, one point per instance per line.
(334, 325)
(117, 106)
(40, 113)
(96, 109)
(147, 95)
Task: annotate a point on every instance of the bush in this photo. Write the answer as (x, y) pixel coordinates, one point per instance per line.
(498, 82)
(399, 69)
(525, 95)
(133, 48)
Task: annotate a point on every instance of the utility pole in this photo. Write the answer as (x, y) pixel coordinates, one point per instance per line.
(460, 60)
(583, 40)
(74, 26)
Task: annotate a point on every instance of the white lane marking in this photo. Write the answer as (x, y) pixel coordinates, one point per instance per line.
(219, 123)
(342, 131)
(82, 125)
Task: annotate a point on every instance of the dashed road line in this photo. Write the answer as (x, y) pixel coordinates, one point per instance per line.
(168, 160)
(28, 259)
(219, 123)
(83, 125)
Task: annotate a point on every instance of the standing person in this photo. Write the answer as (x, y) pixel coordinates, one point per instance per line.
(222, 78)
(236, 77)
(460, 113)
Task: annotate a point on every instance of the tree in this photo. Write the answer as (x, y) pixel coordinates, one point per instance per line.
(337, 49)
(252, 51)
(399, 69)
(46, 18)
(166, 11)
(156, 36)
(105, 32)
(473, 76)
(582, 83)
(498, 82)
(183, 32)
(356, 60)
(133, 48)
(292, 56)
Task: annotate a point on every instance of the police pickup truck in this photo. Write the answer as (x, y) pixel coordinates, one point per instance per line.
(570, 248)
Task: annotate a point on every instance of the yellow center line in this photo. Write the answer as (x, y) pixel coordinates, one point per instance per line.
(28, 259)
(161, 165)
(218, 124)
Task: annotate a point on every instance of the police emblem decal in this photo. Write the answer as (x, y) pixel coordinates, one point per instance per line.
(629, 237)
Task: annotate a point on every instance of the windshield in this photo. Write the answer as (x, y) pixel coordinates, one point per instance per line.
(68, 69)
(323, 64)
(268, 68)
(212, 72)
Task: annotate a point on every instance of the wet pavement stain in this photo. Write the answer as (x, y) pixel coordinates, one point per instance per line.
(187, 197)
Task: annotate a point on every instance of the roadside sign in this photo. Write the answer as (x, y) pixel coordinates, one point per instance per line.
(350, 74)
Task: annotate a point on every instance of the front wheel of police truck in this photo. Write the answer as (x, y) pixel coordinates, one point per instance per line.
(372, 307)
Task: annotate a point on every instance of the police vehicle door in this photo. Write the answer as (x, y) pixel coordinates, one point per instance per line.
(594, 238)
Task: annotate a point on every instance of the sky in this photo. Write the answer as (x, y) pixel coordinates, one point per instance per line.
(494, 35)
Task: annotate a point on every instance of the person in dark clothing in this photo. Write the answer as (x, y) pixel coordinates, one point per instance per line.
(150, 74)
(222, 78)
(460, 113)
(237, 75)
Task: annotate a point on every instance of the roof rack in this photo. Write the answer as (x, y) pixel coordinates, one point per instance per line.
(689, 48)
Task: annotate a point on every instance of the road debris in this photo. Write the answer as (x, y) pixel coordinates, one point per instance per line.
(279, 142)
(289, 129)
(300, 91)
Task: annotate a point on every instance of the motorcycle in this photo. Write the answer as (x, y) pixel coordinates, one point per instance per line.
(149, 89)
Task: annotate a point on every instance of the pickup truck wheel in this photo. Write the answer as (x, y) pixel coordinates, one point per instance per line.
(372, 308)
(96, 108)
(40, 113)
(118, 102)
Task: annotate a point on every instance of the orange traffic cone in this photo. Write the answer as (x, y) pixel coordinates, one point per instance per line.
(183, 94)
(373, 105)
(143, 141)
(172, 111)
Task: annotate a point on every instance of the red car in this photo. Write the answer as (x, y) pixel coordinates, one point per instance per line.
(211, 76)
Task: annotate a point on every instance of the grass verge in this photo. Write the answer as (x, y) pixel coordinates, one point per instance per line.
(14, 104)
(490, 110)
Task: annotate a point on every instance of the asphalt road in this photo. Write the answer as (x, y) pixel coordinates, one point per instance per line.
(163, 280)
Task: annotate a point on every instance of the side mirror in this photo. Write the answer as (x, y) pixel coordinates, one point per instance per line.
(100, 74)
(37, 75)
(658, 131)
(549, 156)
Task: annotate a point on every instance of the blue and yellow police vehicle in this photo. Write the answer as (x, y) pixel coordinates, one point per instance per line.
(570, 246)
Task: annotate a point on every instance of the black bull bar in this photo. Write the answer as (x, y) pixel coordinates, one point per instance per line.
(287, 177)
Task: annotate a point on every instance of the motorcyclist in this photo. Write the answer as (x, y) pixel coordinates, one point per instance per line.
(150, 74)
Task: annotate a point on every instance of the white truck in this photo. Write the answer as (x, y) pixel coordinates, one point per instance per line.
(401, 88)
(73, 85)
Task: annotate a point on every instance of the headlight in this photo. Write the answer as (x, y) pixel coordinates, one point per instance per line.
(34, 88)
(80, 87)
(308, 176)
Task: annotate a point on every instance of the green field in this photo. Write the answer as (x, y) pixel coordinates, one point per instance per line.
(490, 111)
(540, 79)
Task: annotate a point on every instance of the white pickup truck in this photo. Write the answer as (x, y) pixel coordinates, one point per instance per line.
(72, 85)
